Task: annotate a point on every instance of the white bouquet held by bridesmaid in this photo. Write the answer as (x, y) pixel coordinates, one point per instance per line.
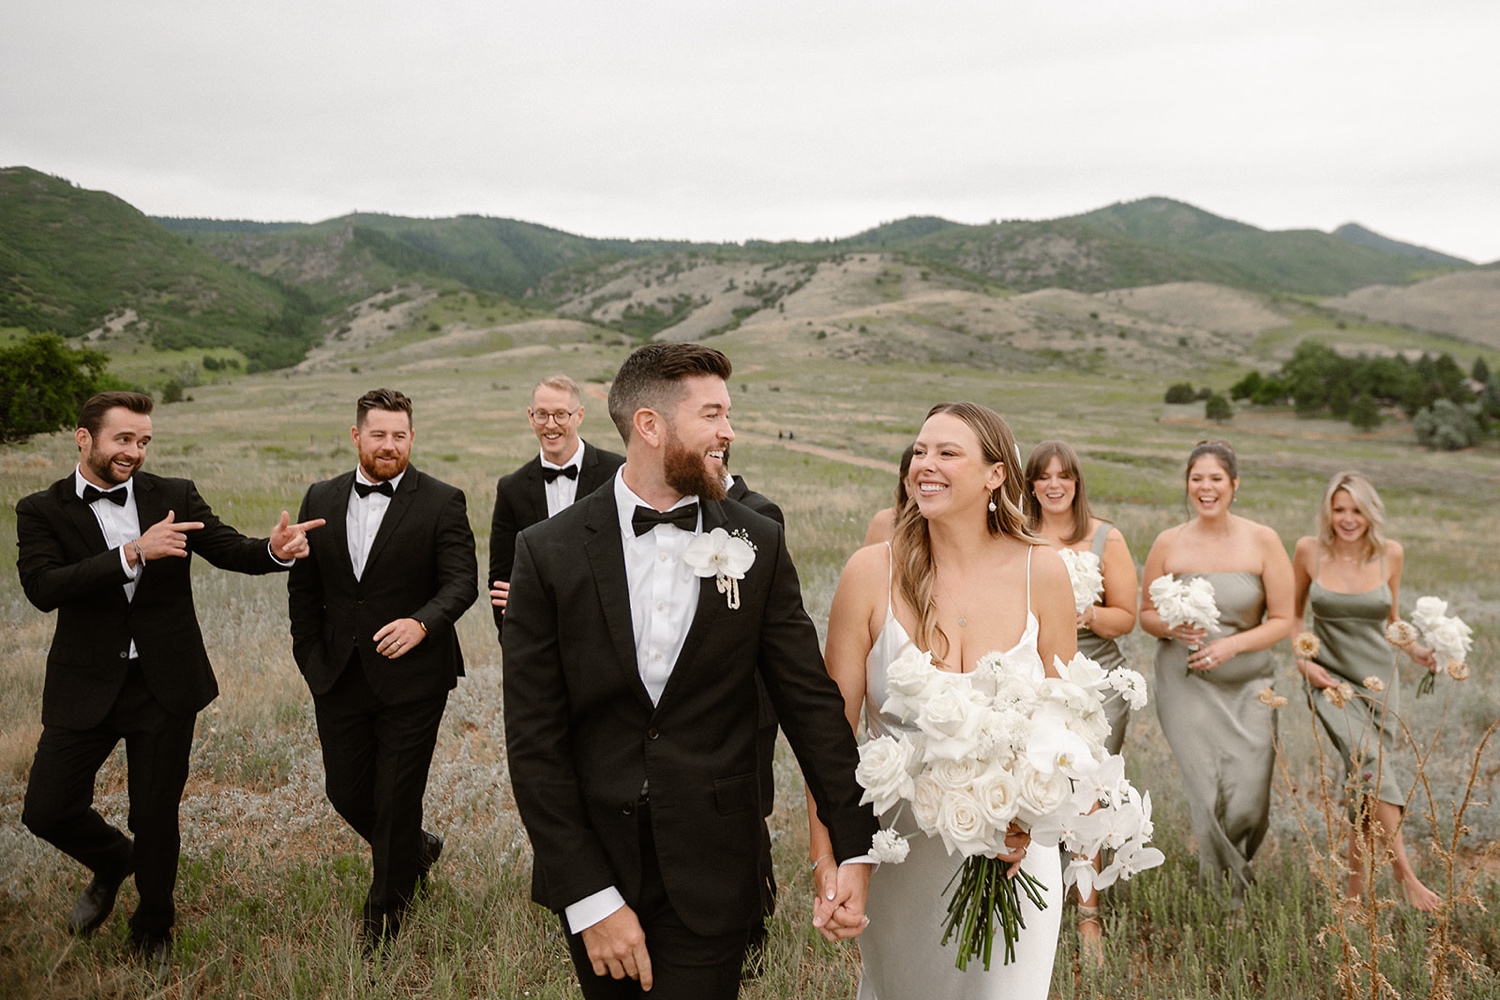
(1448, 635)
(1185, 602)
(1087, 577)
(1000, 746)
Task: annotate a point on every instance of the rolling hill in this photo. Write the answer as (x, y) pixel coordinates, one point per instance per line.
(72, 261)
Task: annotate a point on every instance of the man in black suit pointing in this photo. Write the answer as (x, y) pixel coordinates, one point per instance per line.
(565, 470)
(630, 700)
(110, 548)
(373, 610)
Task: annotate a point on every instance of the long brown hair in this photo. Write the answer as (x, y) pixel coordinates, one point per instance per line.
(911, 548)
(1036, 467)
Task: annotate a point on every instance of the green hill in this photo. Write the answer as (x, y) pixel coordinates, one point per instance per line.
(70, 259)
(1353, 232)
(1304, 261)
(354, 255)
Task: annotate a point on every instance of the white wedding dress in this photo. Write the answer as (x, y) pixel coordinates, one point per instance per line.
(903, 957)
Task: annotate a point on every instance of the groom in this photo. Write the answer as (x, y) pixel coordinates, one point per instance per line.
(631, 707)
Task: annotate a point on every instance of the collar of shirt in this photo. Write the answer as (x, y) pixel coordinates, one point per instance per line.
(577, 458)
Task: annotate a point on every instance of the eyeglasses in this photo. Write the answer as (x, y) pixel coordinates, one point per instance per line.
(542, 417)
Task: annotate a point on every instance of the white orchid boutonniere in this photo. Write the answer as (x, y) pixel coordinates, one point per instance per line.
(724, 556)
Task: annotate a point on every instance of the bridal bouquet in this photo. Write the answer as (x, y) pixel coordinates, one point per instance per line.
(1085, 573)
(1185, 602)
(1448, 635)
(998, 746)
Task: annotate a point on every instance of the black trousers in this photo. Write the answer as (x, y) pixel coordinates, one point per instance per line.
(684, 965)
(375, 761)
(59, 806)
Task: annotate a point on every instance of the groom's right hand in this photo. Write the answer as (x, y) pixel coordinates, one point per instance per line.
(617, 947)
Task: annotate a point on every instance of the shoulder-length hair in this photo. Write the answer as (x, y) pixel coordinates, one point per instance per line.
(1036, 466)
(912, 548)
(1366, 500)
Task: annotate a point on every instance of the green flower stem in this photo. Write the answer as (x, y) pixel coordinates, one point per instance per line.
(982, 892)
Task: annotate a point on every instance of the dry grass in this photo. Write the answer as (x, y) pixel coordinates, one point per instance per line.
(271, 880)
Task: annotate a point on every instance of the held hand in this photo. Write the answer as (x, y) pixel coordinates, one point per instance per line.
(1190, 634)
(167, 538)
(499, 593)
(399, 638)
(1017, 840)
(289, 541)
(617, 947)
(1423, 656)
(1316, 676)
(839, 909)
(1210, 657)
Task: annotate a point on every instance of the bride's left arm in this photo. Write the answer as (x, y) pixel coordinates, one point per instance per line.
(1052, 603)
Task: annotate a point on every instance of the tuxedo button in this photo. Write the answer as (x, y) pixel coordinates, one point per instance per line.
(629, 808)
(652, 734)
(124, 654)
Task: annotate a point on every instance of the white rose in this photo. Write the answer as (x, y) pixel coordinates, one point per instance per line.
(1082, 671)
(997, 793)
(1040, 794)
(884, 772)
(1428, 610)
(962, 826)
(926, 798)
(907, 680)
(950, 720)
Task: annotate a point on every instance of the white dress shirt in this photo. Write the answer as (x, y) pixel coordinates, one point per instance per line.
(121, 525)
(363, 520)
(562, 491)
(663, 597)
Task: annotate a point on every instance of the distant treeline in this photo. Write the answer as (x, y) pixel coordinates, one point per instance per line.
(177, 225)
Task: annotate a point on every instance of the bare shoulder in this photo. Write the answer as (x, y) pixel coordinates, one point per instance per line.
(1306, 549)
(1047, 566)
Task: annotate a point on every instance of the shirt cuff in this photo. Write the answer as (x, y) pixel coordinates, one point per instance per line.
(589, 910)
(288, 563)
(134, 572)
(863, 859)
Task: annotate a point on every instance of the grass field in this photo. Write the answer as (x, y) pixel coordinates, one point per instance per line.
(272, 880)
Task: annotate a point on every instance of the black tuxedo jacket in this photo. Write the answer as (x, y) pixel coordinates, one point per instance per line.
(521, 501)
(421, 565)
(65, 566)
(584, 738)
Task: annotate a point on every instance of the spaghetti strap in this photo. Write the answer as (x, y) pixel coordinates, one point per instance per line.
(1029, 551)
(890, 581)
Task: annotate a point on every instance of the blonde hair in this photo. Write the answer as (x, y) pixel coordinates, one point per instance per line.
(911, 547)
(1366, 500)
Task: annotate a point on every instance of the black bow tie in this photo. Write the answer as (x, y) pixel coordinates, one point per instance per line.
(550, 474)
(644, 518)
(365, 489)
(116, 496)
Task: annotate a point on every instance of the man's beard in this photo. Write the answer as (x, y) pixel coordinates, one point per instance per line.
(686, 473)
(103, 466)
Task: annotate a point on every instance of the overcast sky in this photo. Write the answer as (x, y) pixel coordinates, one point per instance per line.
(727, 120)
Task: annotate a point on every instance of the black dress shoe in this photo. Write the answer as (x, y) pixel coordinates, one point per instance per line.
(431, 850)
(93, 907)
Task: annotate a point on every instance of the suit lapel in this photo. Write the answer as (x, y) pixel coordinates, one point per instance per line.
(80, 516)
(391, 523)
(536, 491)
(336, 514)
(606, 557)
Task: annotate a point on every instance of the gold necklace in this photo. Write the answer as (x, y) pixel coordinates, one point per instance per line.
(963, 616)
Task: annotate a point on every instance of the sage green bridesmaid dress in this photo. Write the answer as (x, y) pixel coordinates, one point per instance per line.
(1351, 629)
(1222, 735)
(1107, 653)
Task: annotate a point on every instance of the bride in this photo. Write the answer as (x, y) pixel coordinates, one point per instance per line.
(961, 577)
